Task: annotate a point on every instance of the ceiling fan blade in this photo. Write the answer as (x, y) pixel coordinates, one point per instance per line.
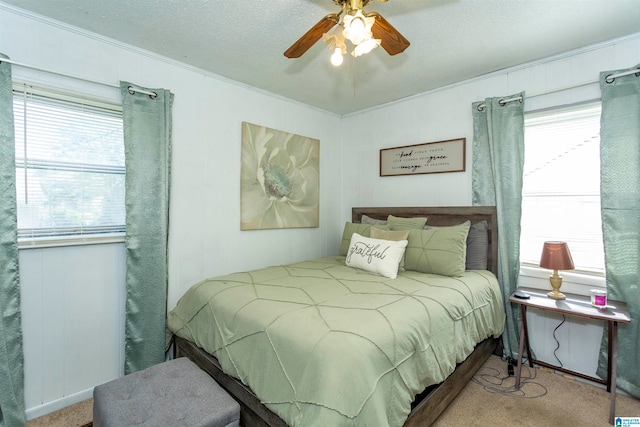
(312, 36)
(391, 39)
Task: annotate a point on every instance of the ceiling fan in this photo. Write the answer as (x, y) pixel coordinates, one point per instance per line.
(365, 31)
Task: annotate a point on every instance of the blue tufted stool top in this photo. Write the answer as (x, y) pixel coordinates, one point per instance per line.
(173, 393)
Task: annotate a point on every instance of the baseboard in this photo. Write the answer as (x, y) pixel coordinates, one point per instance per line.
(56, 405)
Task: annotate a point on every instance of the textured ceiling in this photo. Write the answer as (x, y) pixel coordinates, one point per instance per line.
(451, 40)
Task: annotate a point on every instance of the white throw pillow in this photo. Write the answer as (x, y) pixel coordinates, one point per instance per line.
(376, 255)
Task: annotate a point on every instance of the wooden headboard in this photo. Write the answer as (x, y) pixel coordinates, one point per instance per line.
(440, 216)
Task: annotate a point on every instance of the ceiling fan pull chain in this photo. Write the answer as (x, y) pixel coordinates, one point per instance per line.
(354, 77)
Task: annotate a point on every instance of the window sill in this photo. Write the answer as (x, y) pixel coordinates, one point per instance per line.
(61, 241)
(574, 282)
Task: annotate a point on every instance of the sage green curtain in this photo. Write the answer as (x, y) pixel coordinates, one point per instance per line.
(620, 204)
(147, 141)
(498, 159)
(11, 356)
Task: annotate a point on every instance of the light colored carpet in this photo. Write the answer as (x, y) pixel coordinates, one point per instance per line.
(77, 415)
(545, 399)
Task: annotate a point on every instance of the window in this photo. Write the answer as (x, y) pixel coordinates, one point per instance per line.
(69, 164)
(561, 188)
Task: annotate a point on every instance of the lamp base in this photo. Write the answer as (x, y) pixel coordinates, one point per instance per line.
(555, 294)
(556, 282)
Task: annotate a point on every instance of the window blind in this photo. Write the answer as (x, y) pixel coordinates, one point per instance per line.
(69, 164)
(561, 187)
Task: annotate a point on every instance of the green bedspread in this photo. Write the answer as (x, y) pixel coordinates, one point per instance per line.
(323, 344)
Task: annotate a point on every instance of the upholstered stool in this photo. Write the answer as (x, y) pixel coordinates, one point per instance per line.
(173, 393)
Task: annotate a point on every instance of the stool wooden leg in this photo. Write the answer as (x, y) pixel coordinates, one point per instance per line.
(520, 350)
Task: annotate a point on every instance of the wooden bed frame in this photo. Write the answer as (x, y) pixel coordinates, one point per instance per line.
(435, 399)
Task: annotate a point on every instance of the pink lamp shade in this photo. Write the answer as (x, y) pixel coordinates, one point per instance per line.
(556, 256)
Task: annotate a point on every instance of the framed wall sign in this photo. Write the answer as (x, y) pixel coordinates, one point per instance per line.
(430, 157)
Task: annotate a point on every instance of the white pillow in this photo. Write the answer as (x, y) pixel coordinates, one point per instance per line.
(376, 255)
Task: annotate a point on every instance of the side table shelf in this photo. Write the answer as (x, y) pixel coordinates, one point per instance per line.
(575, 305)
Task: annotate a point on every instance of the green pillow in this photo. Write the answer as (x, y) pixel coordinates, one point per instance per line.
(398, 223)
(440, 251)
(349, 229)
(368, 220)
(477, 244)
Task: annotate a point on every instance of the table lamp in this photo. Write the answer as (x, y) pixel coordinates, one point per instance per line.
(556, 256)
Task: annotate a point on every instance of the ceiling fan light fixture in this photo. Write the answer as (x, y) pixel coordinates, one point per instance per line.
(366, 47)
(335, 42)
(357, 27)
(336, 57)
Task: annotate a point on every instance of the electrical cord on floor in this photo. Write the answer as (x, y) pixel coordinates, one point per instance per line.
(558, 342)
(493, 381)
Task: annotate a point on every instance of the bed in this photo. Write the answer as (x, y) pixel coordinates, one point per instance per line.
(321, 343)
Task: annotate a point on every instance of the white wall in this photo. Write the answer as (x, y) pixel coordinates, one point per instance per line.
(446, 114)
(71, 330)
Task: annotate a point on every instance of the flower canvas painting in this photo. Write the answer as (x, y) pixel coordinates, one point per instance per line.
(280, 183)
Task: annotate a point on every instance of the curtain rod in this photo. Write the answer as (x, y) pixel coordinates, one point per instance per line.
(502, 102)
(132, 89)
(611, 77)
(608, 79)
